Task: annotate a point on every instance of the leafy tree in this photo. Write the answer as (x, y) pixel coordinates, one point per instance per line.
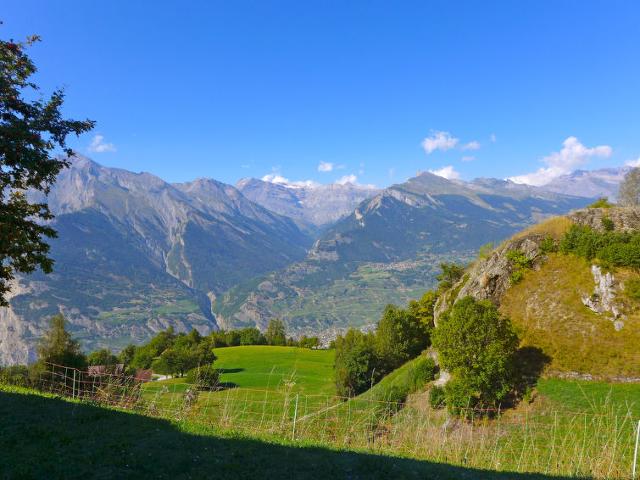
(276, 333)
(423, 309)
(219, 338)
(102, 357)
(629, 191)
(308, 342)
(126, 354)
(477, 345)
(203, 352)
(400, 336)
(252, 336)
(145, 355)
(176, 360)
(451, 273)
(30, 131)
(355, 363)
(232, 338)
(59, 348)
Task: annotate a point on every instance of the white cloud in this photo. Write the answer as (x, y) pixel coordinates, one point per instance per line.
(572, 155)
(280, 180)
(326, 167)
(439, 141)
(447, 172)
(352, 179)
(493, 138)
(98, 145)
(468, 158)
(473, 145)
(633, 163)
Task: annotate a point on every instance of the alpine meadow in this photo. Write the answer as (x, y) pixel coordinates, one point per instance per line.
(315, 240)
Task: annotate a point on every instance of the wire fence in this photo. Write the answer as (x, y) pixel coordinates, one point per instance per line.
(600, 443)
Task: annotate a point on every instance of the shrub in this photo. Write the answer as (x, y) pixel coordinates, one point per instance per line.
(548, 245)
(204, 377)
(400, 336)
(355, 363)
(608, 224)
(616, 249)
(15, 375)
(423, 371)
(437, 397)
(478, 346)
(462, 396)
(519, 264)
(450, 274)
(602, 202)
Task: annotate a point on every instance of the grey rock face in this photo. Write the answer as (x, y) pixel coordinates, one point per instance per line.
(489, 279)
(603, 299)
(625, 219)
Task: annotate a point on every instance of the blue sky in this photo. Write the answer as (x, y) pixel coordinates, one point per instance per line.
(235, 89)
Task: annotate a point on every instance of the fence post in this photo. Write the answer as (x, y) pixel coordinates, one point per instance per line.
(635, 452)
(295, 417)
(73, 391)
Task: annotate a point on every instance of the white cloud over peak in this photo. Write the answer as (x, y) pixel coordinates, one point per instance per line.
(473, 145)
(280, 180)
(572, 155)
(98, 145)
(447, 172)
(325, 167)
(439, 141)
(633, 163)
(352, 179)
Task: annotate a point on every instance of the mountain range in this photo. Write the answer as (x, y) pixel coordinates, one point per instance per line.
(136, 254)
(388, 250)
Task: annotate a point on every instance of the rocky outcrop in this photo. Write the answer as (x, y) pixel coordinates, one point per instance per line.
(622, 219)
(490, 278)
(603, 299)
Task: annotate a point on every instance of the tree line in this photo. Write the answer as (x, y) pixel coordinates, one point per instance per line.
(168, 352)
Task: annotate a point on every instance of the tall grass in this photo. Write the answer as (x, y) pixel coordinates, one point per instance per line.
(539, 437)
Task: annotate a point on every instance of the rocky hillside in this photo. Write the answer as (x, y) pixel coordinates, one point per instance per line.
(388, 250)
(135, 254)
(582, 314)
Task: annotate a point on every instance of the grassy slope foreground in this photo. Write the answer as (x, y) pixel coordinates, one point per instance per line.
(45, 437)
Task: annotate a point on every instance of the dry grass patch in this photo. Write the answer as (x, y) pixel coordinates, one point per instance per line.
(546, 307)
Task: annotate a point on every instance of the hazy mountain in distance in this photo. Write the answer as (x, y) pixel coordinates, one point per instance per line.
(312, 205)
(388, 250)
(590, 183)
(136, 254)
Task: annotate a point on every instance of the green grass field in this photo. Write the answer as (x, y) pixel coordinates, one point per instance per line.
(261, 387)
(48, 437)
